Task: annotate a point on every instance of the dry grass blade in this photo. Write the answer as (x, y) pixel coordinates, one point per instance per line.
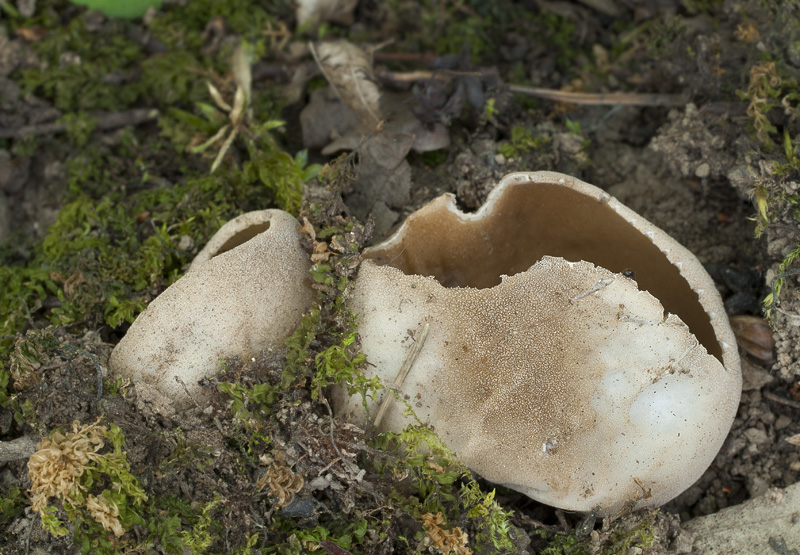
(217, 96)
(224, 150)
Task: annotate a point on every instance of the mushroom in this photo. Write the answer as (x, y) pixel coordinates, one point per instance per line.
(559, 343)
(245, 291)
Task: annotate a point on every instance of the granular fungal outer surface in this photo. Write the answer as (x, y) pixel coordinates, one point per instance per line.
(560, 344)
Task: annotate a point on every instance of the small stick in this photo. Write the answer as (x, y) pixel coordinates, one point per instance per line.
(411, 358)
(596, 99)
(603, 99)
(782, 400)
(105, 121)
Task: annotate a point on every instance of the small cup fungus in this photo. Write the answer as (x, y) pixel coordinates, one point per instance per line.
(559, 343)
(245, 291)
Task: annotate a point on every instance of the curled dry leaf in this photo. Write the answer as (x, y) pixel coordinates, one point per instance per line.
(754, 337)
(348, 69)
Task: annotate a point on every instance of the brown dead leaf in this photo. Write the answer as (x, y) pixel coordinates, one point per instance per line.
(755, 338)
(325, 118)
(328, 124)
(31, 34)
(446, 541)
(321, 252)
(747, 33)
(308, 229)
(348, 69)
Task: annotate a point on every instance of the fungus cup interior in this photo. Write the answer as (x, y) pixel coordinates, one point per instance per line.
(527, 222)
(241, 237)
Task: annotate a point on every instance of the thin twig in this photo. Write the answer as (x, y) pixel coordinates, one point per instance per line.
(411, 358)
(603, 99)
(596, 99)
(422, 75)
(782, 400)
(104, 121)
(347, 463)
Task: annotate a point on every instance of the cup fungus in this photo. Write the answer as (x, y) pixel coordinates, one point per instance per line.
(245, 291)
(559, 343)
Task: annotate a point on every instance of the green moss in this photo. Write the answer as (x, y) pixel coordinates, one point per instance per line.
(558, 33)
(127, 9)
(770, 301)
(76, 61)
(346, 533)
(642, 535)
(188, 454)
(106, 476)
(440, 483)
(770, 87)
(522, 141)
(617, 537)
(102, 259)
(11, 505)
(205, 530)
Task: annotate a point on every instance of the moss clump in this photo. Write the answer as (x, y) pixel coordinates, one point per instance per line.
(616, 536)
(522, 141)
(96, 490)
(428, 479)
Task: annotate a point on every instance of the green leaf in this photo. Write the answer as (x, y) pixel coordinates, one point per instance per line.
(124, 9)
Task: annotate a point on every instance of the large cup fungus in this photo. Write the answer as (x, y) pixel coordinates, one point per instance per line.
(559, 343)
(245, 291)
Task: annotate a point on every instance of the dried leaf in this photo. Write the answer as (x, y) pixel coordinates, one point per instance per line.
(328, 124)
(326, 117)
(755, 338)
(313, 12)
(308, 229)
(794, 440)
(348, 69)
